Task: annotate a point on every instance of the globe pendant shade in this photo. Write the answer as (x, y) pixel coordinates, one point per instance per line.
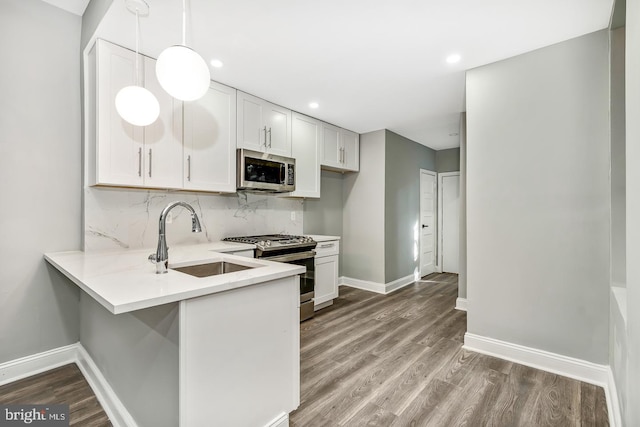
(183, 73)
(137, 105)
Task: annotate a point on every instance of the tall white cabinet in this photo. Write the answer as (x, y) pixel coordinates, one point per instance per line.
(306, 140)
(191, 146)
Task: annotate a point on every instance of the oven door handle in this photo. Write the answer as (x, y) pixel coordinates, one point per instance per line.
(291, 257)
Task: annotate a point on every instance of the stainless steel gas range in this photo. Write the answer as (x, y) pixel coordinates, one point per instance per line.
(297, 250)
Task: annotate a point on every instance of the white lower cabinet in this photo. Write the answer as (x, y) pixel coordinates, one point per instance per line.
(326, 274)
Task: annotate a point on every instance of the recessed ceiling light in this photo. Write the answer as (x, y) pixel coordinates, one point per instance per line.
(216, 63)
(314, 105)
(452, 59)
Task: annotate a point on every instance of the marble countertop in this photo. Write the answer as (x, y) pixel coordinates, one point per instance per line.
(124, 280)
(320, 238)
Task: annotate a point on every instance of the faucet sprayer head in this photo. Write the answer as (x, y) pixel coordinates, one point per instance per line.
(195, 224)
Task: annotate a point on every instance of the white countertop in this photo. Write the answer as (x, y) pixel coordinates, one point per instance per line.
(124, 281)
(320, 238)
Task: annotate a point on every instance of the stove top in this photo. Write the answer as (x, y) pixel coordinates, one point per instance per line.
(273, 242)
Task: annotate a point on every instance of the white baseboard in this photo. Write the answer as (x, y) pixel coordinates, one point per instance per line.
(613, 404)
(578, 369)
(281, 421)
(116, 411)
(24, 367)
(399, 283)
(380, 288)
(461, 304)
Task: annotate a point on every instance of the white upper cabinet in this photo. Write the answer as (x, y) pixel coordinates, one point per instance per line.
(350, 150)
(190, 146)
(210, 141)
(162, 138)
(340, 149)
(263, 126)
(119, 151)
(306, 135)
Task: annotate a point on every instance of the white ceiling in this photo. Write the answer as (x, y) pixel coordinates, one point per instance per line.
(76, 7)
(370, 64)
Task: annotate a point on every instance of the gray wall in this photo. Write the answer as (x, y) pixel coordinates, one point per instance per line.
(448, 160)
(538, 225)
(403, 160)
(138, 355)
(324, 215)
(618, 184)
(462, 247)
(617, 334)
(633, 206)
(40, 174)
(363, 216)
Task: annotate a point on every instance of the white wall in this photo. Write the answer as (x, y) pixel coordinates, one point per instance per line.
(363, 215)
(40, 174)
(538, 199)
(633, 206)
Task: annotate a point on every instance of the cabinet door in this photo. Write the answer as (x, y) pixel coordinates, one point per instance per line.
(120, 150)
(350, 142)
(163, 138)
(330, 146)
(278, 122)
(252, 132)
(209, 141)
(306, 137)
(326, 283)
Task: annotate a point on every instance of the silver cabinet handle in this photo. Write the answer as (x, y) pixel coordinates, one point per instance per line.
(328, 245)
(140, 161)
(341, 155)
(269, 138)
(265, 136)
(344, 156)
(150, 162)
(189, 168)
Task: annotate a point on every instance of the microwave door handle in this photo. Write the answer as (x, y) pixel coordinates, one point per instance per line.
(283, 173)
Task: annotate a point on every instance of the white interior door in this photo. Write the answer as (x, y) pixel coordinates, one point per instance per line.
(427, 222)
(449, 198)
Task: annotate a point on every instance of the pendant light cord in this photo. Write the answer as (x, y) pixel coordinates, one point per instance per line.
(184, 22)
(137, 46)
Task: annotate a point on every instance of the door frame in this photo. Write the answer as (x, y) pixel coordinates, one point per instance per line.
(435, 213)
(441, 176)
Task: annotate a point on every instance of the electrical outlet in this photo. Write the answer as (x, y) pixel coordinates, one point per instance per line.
(169, 218)
(293, 215)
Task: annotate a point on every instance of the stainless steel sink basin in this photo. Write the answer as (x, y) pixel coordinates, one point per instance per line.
(211, 268)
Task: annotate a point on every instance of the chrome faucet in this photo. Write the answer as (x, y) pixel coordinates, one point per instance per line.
(161, 257)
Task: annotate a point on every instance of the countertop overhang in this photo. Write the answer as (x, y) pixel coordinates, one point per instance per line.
(124, 280)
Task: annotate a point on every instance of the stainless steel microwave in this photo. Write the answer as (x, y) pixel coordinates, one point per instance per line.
(265, 172)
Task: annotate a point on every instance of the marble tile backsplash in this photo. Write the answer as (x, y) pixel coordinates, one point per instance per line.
(126, 218)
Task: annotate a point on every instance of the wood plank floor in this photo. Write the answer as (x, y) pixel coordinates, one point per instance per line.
(63, 385)
(397, 360)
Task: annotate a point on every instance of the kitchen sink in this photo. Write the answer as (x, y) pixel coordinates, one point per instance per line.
(211, 268)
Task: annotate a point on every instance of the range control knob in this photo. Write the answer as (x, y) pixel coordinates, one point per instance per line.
(268, 243)
(261, 243)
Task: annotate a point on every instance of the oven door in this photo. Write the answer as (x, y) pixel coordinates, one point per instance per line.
(307, 280)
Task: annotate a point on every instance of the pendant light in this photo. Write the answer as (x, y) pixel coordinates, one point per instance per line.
(181, 71)
(134, 103)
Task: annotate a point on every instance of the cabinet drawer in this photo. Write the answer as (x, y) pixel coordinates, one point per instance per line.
(327, 248)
